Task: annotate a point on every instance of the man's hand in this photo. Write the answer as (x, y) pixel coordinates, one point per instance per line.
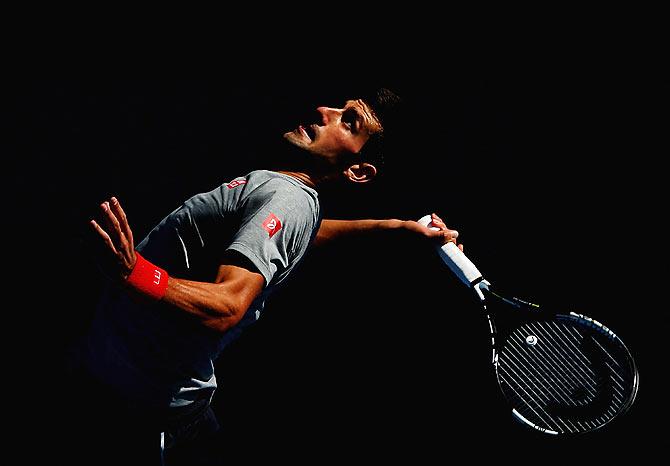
(116, 238)
(442, 236)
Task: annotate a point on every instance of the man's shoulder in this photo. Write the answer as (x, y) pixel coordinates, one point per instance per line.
(264, 176)
(270, 175)
(275, 181)
(283, 193)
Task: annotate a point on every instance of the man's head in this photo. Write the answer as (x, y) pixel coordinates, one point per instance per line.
(348, 140)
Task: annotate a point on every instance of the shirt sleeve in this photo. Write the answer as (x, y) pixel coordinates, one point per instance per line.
(275, 229)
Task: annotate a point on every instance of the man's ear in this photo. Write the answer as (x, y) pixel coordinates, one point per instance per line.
(360, 173)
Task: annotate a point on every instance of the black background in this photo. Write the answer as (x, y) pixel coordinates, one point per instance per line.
(373, 350)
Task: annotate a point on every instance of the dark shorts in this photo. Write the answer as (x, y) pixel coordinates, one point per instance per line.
(98, 427)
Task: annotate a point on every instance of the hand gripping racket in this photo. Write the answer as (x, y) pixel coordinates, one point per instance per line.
(562, 373)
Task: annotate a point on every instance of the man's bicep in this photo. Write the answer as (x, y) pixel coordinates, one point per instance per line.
(241, 278)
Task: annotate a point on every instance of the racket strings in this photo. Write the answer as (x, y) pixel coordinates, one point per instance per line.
(538, 365)
(537, 377)
(554, 368)
(531, 399)
(568, 381)
(619, 390)
(553, 385)
(540, 361)
(575, 363)
(558, 371)
(553, 426)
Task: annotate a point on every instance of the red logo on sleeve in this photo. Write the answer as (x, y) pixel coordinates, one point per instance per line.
(272, 224)
(236, 183)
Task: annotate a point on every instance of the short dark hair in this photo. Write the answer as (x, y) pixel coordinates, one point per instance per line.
(387, 107)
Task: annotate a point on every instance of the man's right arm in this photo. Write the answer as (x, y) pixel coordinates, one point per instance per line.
(219, 305)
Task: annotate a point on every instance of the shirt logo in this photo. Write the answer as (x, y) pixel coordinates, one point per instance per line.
(236, 183)
(272, 224)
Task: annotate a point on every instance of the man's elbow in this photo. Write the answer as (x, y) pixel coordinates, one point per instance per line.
(227, 315)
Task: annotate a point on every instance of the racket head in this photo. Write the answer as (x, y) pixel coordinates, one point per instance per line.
(565, 373)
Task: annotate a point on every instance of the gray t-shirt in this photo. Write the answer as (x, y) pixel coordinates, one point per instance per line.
(160, 356)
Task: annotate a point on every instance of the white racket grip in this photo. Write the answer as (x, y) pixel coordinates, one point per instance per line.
(458, 262)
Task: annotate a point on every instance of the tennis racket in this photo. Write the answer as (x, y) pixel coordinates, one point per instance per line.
(561, 373)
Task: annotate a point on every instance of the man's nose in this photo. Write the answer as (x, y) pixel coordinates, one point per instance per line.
(328, 113)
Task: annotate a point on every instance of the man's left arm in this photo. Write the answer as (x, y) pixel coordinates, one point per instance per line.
(332, 230)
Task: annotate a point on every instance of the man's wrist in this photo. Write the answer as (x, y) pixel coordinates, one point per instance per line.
(147, 278)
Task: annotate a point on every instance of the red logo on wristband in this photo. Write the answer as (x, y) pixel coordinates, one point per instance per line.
(147, 278)
(272, 224)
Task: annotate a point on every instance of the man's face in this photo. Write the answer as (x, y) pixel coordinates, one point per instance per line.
(343, 131)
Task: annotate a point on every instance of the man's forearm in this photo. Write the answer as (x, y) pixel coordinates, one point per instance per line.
(210, 303)
(219, 305)
(336, 229)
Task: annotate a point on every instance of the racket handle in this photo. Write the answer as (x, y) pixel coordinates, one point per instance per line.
(458, 262)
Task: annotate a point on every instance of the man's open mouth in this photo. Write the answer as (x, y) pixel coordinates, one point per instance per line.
(309, 131)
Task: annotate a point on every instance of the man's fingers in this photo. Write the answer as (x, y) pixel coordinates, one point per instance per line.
(123, 220)
(112, 223)
(103, 234)
(447, 235)
(437, 221)
(453, 234)
(436, 218)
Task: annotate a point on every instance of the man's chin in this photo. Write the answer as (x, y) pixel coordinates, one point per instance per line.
(295, 141)
(287, 155)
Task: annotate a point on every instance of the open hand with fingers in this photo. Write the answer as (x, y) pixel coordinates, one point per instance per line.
(116, 237)
(441, 236)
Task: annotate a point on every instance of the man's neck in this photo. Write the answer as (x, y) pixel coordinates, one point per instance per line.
(305, 178)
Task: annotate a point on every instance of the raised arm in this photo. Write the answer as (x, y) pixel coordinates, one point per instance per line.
(335, 229)
(219, 305)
